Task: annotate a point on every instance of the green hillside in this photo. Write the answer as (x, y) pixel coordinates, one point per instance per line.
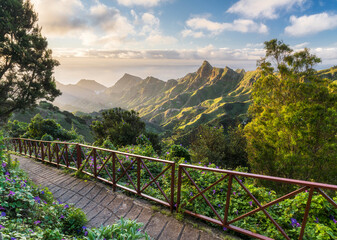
(176, 107)
(66, 119)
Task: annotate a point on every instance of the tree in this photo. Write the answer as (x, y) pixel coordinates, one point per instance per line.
(49, 129)
(294, 125)
(212, 145)
(120, 126)
(26, 64)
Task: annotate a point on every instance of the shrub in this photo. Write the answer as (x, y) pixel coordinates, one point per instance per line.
(176, 152)
(124, 229)
(75, 220)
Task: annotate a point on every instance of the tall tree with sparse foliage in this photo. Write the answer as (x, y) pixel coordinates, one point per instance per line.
(26, 64)
(293, 133)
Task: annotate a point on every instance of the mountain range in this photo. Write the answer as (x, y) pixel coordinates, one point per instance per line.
(208, 95)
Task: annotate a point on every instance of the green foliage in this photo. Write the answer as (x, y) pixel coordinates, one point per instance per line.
(143, 140)
(47, 137)
(288, 213)
(177, 152)
(120, 126)
(74, 220)
(48, 129)
(52, 234)
(294, 126)
(237, 144)
(28, 212)
(108, 144)
(211, 145)
(123, 229)
(16, 129)
(26, 65)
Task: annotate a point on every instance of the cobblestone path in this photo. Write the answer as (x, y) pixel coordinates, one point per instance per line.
(103, 206)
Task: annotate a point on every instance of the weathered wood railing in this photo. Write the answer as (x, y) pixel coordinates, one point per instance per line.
(230, 177)
(130, 172)
(121, 169)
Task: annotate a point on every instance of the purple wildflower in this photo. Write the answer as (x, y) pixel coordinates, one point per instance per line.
(42, 192)
(251, 203)
(13, 238)
(11, 193)
(191, 194)
(85, 233)
(2, 208)
(37, 222)
(316, 221)
(66, 206)
(225, 229)
(219, 205)
(294, 222)
(4, 164)
(234, 193)
(37, 199)
(214, 191)
(1, 227)
(7, 174)
(3, 214)
(61, 217)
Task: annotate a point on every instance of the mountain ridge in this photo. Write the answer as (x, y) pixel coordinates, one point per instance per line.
(209, 95)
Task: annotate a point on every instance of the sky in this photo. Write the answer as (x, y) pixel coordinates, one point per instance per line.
(103, 39)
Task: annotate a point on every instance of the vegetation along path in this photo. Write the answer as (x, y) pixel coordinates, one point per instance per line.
(105, 207)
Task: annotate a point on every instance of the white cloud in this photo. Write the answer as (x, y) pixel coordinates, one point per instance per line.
(207, 52)
(150, 24)
(205, 24)
(134, 15)
(254, 45)
(262, 8)
(160, 40)
(190, 33)
(108, 28)
(306, 25)
(300, 45)
(215, 28)
(165, 64)
(59, 18)
(145, 3)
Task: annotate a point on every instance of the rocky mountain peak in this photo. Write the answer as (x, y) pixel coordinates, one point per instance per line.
(90, 85)
(205, 70)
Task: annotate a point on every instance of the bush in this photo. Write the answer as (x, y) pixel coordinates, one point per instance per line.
(124, 229)
(47, 137)
(176, 152)
(75, 220)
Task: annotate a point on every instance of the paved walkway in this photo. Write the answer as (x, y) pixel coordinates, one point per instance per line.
(103, 206)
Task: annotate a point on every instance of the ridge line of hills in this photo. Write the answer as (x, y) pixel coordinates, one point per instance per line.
(209, 95)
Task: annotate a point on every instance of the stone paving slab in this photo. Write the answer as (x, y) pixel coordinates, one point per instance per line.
(103, 206)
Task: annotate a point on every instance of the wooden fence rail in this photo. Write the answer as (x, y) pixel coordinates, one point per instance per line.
(140, 172)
